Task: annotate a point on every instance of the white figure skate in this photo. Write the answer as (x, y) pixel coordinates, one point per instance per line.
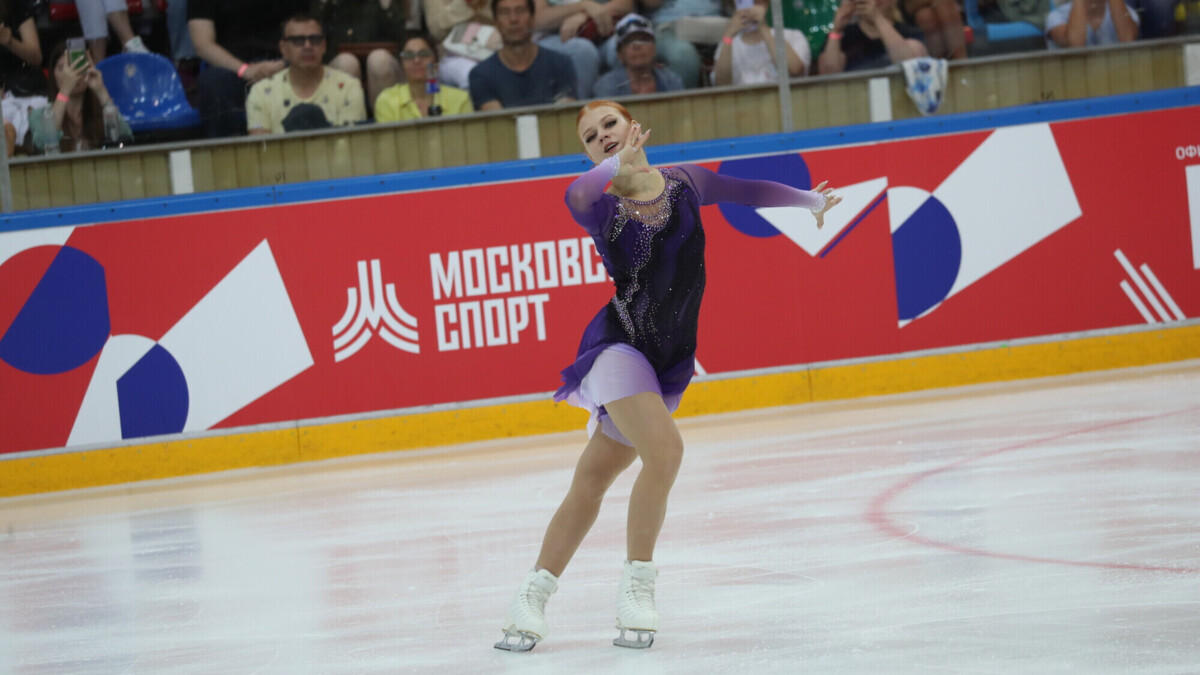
(635, 605)
(526, 622)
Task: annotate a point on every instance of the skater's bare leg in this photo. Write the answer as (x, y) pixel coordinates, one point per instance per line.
(645, 420)
(601, 462)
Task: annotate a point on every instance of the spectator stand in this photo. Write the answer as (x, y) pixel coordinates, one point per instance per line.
(199, 167)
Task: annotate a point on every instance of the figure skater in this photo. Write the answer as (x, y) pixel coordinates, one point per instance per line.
(637, 356)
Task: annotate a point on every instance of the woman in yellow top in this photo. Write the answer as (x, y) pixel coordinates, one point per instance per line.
(412, 100)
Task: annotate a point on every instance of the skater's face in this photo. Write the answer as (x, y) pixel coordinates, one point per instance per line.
(603, 131)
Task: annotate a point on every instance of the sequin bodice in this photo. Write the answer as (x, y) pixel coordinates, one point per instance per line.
(655, 251)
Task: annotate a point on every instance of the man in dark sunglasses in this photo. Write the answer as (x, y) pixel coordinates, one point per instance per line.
(306, 94)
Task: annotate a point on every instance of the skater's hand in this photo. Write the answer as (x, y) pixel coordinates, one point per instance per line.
(831, 200)
(633, 145)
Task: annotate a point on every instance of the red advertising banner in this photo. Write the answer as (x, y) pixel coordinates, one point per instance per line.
(244, 317)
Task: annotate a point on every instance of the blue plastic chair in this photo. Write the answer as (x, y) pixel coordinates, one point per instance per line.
(148, 92)
(997, 32)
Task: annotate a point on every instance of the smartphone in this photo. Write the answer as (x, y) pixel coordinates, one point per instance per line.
(76, 52)
(746, 4)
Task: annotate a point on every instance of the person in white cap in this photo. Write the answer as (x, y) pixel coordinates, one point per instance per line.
(639, 72)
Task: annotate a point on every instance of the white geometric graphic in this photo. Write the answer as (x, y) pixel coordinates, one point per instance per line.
(12, 243)
(99, 417)
(1012, 192)
(903, 201)
(1193, 194)
(239, 342)
(368, 305)
(797, 223)
(1153, 296)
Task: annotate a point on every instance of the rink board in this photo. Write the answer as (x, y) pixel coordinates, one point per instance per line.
(233, 330)
(33, 473)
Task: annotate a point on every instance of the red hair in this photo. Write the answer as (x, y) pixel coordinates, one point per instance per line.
(603, 104)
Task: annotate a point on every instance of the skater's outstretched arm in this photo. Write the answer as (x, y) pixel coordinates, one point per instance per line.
(584, 196)
(714, 188)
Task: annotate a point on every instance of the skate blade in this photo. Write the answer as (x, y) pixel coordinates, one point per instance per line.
(526, 642)
(643, 639)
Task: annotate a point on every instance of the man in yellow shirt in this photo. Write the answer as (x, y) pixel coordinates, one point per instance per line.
(299, 95)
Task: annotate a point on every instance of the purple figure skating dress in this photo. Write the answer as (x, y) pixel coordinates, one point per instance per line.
(644, 339)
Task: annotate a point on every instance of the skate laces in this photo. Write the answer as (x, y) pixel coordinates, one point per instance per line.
(535, 596)
(641, 592)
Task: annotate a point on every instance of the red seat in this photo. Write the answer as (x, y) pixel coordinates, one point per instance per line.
(64, 10)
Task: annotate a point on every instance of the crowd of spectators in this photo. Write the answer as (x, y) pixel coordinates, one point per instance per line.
(274, 66)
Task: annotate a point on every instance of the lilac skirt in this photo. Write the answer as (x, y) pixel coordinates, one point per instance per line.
(618, 372)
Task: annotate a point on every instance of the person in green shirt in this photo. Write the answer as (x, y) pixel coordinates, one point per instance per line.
(414, 100)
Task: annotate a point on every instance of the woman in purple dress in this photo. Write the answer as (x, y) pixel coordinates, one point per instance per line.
(637, 356)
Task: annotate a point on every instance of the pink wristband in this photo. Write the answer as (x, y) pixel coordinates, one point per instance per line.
(834, 35)
(727, 40)
(62, 97)
(242, 70)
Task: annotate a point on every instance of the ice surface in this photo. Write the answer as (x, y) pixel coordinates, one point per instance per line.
(1032, 527)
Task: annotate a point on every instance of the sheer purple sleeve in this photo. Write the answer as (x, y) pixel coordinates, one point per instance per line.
(714, 188)
(585, 196)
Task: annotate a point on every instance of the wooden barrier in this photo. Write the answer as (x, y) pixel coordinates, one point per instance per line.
(702, 114)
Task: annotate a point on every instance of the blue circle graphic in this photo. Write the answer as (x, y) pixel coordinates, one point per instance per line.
(64, 322)
(927, 252)
(788, 169)
(153, 396)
